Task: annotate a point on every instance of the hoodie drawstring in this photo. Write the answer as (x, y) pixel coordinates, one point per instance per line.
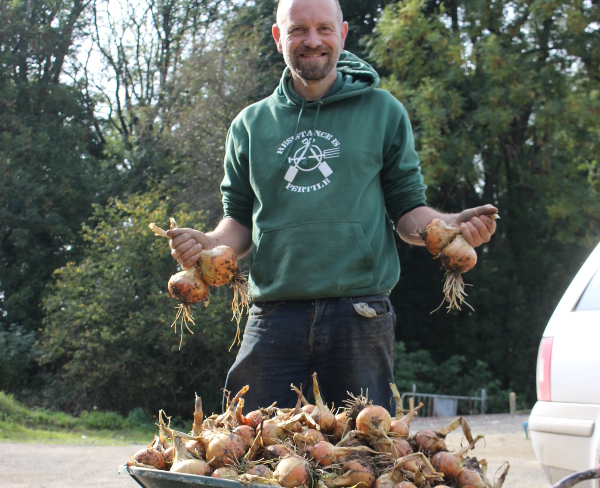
(289, 148)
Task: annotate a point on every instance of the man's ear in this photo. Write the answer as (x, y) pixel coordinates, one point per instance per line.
(277, 36)
(344, 32)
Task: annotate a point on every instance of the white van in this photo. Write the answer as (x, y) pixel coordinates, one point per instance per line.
(565, 421)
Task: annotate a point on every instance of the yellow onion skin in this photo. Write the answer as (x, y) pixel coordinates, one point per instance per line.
(246, 433)
(260, 470)
(223, 449)
(458, 256)
(275, 451)
(400, 427)
(168, 454)
(400, 447)
(437, 235)
(357, 473)
(188, 286)
(196, 448)
(469, 478)
(385, 481)
(272, 433)
(225, 472)
(405, 484)
(343, 425)
(373, 420)
(447, 463)
(292, 471)
(191, 466)
(218, 265)
(429, 441)
(324, 419)
(151, 457)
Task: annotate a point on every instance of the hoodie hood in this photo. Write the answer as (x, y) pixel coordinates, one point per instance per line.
(355, 77)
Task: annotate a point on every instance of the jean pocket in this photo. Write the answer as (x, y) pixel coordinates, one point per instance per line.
(262, 309)
(372, 306)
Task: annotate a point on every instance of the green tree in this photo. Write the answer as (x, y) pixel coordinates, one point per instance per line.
(48, 154)
(504, 102)
(108, 338)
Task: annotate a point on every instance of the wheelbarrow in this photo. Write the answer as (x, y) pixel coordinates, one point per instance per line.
(573, 479)
(153, 478)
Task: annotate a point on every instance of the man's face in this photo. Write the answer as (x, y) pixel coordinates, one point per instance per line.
(310, 35)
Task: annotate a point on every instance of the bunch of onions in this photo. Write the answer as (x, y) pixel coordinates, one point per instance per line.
(457, 256)
(216, 267)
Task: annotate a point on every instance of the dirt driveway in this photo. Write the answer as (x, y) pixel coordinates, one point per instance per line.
(64, 466)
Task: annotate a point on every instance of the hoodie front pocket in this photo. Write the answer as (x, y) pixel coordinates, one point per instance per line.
(312, 260)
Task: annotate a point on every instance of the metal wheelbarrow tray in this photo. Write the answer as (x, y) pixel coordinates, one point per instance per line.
(153, 478)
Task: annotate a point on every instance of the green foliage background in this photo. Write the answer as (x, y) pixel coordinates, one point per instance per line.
(504, 99)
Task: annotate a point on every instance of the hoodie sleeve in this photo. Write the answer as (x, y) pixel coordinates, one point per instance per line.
(401, 176)
(238, 195)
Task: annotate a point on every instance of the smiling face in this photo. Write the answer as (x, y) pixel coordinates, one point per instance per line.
(310, 34)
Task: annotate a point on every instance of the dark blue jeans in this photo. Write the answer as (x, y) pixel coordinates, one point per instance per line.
(287, 341)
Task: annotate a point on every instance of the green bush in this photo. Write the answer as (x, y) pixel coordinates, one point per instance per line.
(454, 376)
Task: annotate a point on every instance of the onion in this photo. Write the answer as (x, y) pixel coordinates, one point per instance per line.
(458, 256)
(396, 446)
(308, 408)
(275, 451)
(405, 484)
(168, 454)
(447, 463)
(321, 414)
(373, 420)
(401, 426)
(437, 235)
(307, 439)
(272, 433)
(325, 453)
(469, 478)
(223, 449)
(343, 425)
(191, 466)
(260, 470)
(218, 265)
(429, 441)
(188, 286)
(150, 457)
(386, 480)
(196, 448)
(246, 433)
(226, 472)
(292, 471)
(356, 472)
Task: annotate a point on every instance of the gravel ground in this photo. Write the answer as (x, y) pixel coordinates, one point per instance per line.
(65, 466)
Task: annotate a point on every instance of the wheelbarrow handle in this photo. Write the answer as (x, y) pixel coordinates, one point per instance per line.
(573, 479)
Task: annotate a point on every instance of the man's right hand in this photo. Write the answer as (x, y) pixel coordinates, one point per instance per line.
(186, 244)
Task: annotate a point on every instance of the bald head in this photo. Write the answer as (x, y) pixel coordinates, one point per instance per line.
(284, 7)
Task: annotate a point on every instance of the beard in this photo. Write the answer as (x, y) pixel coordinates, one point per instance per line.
(311, 69)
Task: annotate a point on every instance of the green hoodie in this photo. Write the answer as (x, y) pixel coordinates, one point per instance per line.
(321, 184)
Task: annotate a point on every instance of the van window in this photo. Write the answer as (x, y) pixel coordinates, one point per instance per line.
(590, 300)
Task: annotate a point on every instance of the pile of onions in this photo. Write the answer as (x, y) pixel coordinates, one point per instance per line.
(457, 256)
(216, 267)
(289, 448)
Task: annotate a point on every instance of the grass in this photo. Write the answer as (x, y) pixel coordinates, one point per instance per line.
(21, 424)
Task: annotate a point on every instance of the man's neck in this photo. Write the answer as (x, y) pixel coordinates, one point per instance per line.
(314, 90)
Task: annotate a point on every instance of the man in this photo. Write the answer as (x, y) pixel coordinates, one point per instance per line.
(317, 176)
